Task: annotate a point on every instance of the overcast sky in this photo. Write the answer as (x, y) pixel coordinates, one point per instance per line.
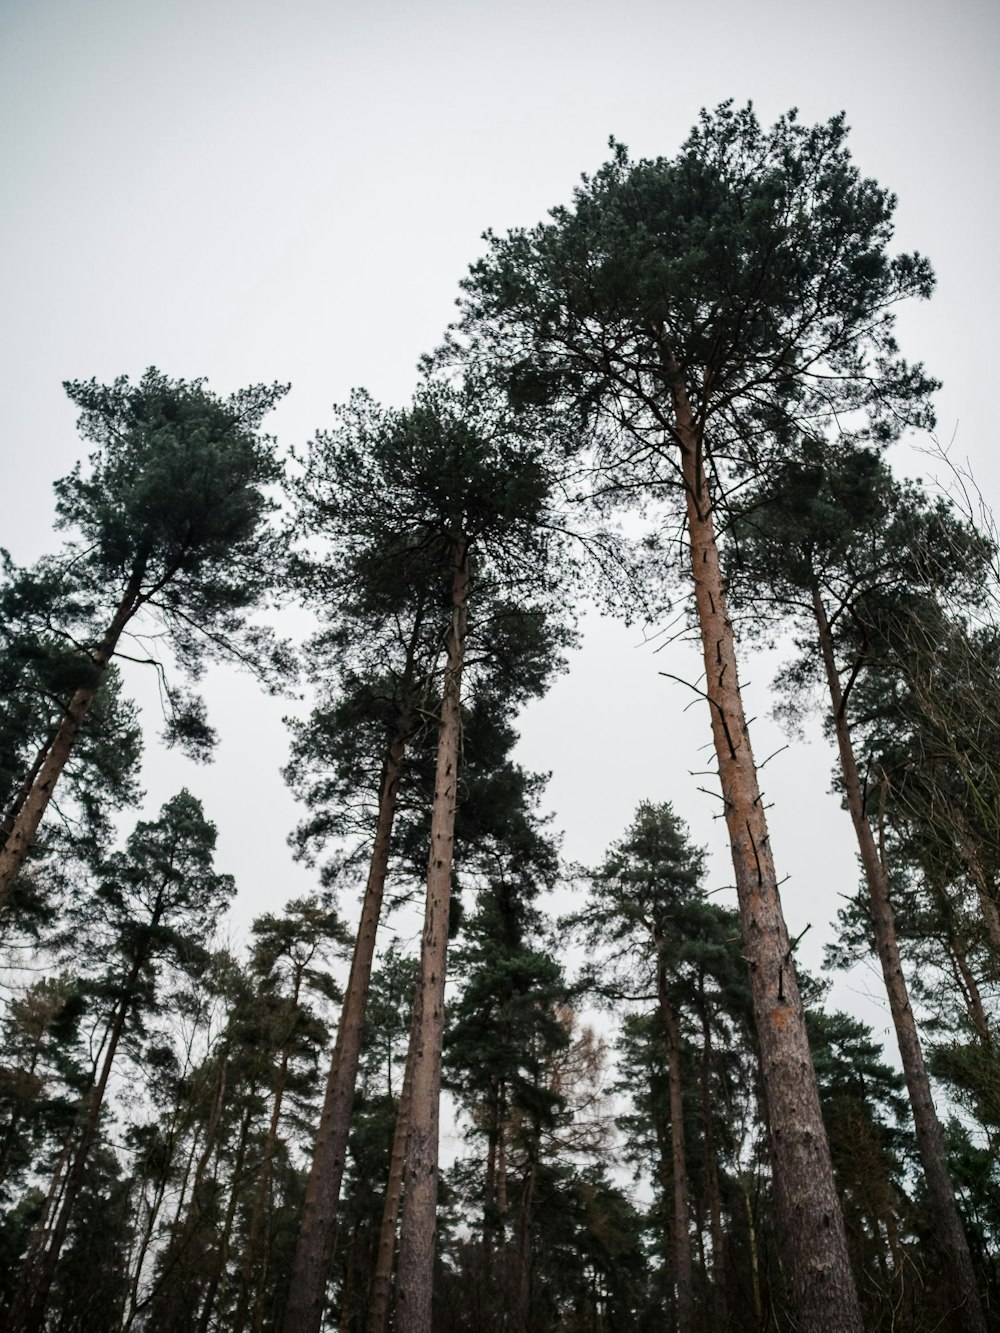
(253, 192)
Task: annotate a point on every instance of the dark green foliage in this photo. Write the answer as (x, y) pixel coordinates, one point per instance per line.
(756, 259)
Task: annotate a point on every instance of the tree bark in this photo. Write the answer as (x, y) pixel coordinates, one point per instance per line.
(304, 1311)
(381, 1292)
(947, 1228)
(807, 1206)
(25, 826)
(712, 1169)
(416, 1245)
(683, 1274)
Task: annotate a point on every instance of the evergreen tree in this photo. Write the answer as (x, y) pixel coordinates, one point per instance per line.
(654, 935)
(697, 313)
(157, 899)
(833, 540)
(168, 520)
(447, 497)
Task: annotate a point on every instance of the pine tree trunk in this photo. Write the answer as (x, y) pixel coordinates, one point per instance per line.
(27, 782)
(754, 1247)
(381, 1291)
(304, 1311)
(808, 1210)
(25, 825)
(217, 1284)
(416, 1244)
(526, 1247)
(947, 1225)
(712, 1170)
(683, 1274)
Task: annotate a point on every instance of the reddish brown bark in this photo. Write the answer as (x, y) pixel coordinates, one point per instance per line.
(416, 1245)
(808, 1210)
(381, 1293)
(304, 1310)
(947, 1227)
(22, 834)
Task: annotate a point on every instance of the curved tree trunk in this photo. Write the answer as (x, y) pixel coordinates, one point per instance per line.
(25, 825)
(304, 1310)
(947, 1225)
(416, 1244)
(808, 1210)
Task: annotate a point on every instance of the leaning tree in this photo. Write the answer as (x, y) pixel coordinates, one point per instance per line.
(168, 535)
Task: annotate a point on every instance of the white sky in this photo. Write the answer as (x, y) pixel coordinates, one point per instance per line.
(247, 191)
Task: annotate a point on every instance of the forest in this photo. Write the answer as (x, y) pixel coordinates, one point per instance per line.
(672, 399)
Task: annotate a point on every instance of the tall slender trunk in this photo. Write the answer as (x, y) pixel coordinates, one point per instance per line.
(501, 1232)
(37, 1280)
(526, 1247)
(683, 1274)
(182, 1116)
(712, 1168)
(381, 1289)
(416, 1244)
(217, 1284)
(253, 1269)
(754, 1248)
(947, 1226)
(25, 825)
(808, 1210)
(304, 1310)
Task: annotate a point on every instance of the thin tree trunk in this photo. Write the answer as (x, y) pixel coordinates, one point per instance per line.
(754, 1247)
(416, 1244)
(501, 1235)
(381, 1291)
(314, 1247)
(526, 1255)
(254, 1268)
(947, 1225)
(216, 1109)
(27, 782)
(25, 826)
(807, 1206)
(217, 1285)
(712, 1170)
(987, 902)
(37, 1281)
(683, 1274)
(970, 990)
